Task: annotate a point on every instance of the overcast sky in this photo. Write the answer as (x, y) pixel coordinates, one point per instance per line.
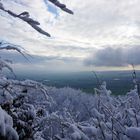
(102, 34)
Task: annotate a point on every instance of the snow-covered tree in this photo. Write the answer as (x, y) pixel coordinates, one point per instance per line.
(30, 110)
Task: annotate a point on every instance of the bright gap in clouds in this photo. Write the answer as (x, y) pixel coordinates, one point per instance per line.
(95, 26)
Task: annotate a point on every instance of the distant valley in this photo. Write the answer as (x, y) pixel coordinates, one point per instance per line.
(119, 82)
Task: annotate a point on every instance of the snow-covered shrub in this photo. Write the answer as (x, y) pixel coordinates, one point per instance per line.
(21, 106)
(133, 133)
(7, 132)
(47, 113)
(74, 115)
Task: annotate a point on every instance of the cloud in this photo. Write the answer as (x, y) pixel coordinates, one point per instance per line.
(34, 59)
(94, 25)
(41, 64)
(115, 56)
(98, 22)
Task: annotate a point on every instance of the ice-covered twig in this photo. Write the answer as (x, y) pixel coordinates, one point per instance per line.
(135, 80)
(61, 6)
(3, 64)
(8, 46)
(97, 79)
(25, 16)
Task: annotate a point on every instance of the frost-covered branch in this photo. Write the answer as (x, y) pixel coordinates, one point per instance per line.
(61, 6)
(25, 16)
(9, 46)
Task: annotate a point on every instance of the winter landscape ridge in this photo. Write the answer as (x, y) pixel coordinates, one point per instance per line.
(57, 87)
(34, 111)
(119, 82)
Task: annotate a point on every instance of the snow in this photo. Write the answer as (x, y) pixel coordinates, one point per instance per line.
(133, 133)
(6, 126)
(30, 110)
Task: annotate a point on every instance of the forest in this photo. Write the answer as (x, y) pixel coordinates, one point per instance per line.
(32, 110)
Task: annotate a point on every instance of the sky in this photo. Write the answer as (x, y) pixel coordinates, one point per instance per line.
(101, 35)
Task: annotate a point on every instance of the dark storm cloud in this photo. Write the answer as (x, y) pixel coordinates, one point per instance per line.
(115, 56)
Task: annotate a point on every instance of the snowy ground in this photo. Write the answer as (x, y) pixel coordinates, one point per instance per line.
(29, 110)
